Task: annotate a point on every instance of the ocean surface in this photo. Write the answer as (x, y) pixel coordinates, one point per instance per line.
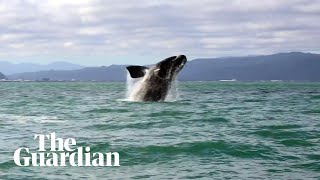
(213, 130)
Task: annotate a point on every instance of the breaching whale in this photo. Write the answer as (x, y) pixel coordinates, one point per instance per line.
(156, 81)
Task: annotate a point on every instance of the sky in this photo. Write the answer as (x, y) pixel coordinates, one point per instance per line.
(105, 32)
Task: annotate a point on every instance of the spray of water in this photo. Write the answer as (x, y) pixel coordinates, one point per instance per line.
(173, 94)
(132, 87)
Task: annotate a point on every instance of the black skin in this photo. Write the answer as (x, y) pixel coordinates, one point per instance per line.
(158, 83)
(158, 89)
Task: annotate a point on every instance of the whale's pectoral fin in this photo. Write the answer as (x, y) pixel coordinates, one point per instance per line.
(137, 71)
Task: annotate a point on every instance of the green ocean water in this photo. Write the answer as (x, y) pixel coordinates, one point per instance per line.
(214, 130)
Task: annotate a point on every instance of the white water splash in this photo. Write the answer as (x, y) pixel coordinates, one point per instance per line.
(173, 94)
(134, 85)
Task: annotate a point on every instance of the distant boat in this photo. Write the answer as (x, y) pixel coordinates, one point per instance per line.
(228, 80)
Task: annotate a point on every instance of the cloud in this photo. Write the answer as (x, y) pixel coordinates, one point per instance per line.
(153, 28)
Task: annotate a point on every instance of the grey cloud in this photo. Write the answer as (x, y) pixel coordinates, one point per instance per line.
(195, 27)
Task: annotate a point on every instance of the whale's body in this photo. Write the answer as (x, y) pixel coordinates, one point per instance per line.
(156, 81)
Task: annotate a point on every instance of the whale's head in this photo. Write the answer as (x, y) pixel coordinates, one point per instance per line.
(170, 67)
(165, 69)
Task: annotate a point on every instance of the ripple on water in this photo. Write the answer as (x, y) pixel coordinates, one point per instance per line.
(279, 134)
(254, 100)
(315, 97)
(108, 110)
(212, 120)
(309, 166)
(131, 125)
(296, 143)
(169, 114)
(198, 149)
(7, 165)
(312, 111)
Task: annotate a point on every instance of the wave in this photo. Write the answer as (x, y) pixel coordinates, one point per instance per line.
(24, 119)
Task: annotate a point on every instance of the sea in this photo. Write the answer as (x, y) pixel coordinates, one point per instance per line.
(209, 130)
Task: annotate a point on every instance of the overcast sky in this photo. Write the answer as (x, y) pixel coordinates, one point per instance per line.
(104, 32)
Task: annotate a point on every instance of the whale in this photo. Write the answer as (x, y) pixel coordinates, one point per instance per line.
(155, 81)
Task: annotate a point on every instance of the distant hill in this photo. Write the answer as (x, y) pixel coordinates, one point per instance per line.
(10, 68)
(103, 73)
(2, 76)
(294, 66)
